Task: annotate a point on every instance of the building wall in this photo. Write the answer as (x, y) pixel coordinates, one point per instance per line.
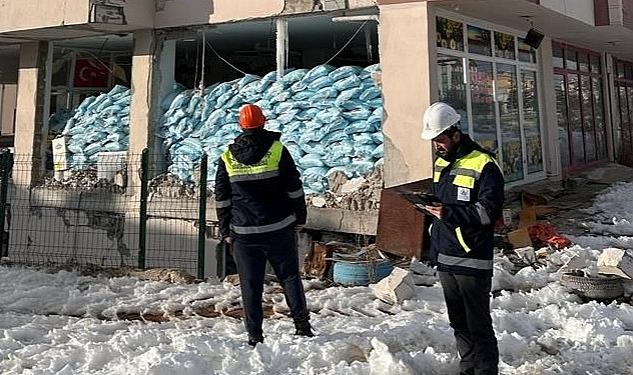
(23, 15)
(172, 13)
(18, 15)
(407, 54)
(8, 99)
(582, 10)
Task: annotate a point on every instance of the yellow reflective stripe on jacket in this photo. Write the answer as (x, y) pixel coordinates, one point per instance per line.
(460, 238)
(440, 164)
(267, 167)
(468, 168)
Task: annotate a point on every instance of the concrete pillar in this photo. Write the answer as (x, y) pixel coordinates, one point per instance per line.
(144, 101)
(551, 142)
(282, 46)
(409, 84)
(30, 136)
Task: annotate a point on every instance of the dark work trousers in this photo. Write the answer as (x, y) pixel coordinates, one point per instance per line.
(468, 303)
(280, 249)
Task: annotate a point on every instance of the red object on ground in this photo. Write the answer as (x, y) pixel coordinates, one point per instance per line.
(547, 233)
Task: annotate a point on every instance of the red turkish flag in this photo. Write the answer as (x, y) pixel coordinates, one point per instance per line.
(91, 73)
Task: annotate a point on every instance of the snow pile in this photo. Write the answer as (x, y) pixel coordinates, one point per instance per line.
(64, 323)
(100, 123)
(612, 212)
(330, 120)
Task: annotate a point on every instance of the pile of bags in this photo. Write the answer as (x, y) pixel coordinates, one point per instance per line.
(99, 124)
(330, 120)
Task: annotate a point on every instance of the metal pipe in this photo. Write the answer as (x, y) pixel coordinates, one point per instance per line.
(370, 17)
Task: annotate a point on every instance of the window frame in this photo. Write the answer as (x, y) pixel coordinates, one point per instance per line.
(519, 67)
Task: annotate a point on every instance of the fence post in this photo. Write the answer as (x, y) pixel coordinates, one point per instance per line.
(202, 215)
(143, 209)
(5, 169)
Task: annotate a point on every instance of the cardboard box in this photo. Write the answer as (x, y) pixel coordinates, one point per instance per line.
(520, 238)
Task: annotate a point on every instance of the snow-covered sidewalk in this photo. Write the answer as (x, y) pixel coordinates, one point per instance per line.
(64, 323)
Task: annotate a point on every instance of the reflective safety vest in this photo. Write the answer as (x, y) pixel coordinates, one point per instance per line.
(267, 167)
(467, 171)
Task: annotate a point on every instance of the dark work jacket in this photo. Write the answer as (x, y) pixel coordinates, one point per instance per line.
(471, 216)
(258, 206)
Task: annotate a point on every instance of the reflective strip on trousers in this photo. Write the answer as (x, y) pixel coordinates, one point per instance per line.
(223, 204)
(480, 264)
(460, 238)
(265, 228)
(253, 177)
(295, 194)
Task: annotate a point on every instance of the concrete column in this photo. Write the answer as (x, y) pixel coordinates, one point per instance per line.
(282, 46)
(551, 142)
(144, 102)
(409, 84)
(30, 136)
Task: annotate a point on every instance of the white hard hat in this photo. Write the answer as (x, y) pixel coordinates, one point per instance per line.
(437, 118)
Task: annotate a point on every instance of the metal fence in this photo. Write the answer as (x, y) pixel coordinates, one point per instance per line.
(117, 212)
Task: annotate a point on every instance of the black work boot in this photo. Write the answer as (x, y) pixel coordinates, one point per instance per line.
(255, 339)
(304, 329)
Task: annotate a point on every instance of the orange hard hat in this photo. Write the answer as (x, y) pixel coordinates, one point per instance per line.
(251, 117)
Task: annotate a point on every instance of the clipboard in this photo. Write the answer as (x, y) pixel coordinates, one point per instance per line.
(420, 200)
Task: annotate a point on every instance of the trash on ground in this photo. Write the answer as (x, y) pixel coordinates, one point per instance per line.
(617, 262)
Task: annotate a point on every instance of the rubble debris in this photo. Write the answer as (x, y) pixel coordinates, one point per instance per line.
(169, 275)
(617, 262)
(82, 180)
(527, 254)
(168, 185)
(422, 274)
(359, 194)
(395, 288)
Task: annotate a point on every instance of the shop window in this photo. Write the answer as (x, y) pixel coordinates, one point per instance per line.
(583, 62)
(587, 118)
(583, 104)
(479, 41)
(450, 34)
(561, 115)
(497, 98)
(452, 85)
(507, 97)
(483, 110)
(598, 113)
(531, 121)
(557, 59)
(527, 53)
(595, 64)
(571, 59)
(504, 46)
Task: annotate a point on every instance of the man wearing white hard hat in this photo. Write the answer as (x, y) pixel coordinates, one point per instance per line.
(469, 184)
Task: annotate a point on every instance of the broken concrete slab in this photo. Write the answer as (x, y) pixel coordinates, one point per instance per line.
(616, 261)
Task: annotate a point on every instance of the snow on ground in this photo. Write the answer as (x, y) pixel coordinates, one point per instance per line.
(65, 323)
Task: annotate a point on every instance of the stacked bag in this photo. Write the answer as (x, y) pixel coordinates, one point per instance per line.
(330, 120)
(99, 124)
